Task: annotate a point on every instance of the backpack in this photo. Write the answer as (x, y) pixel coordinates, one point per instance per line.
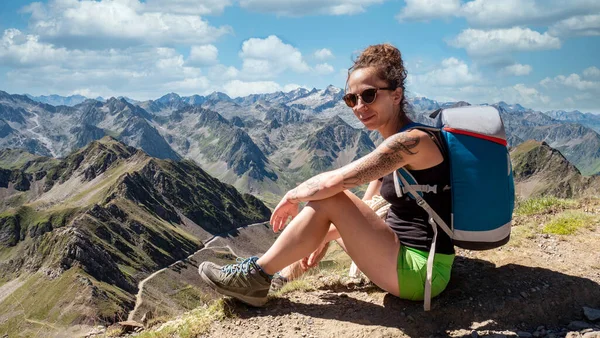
(473, 140)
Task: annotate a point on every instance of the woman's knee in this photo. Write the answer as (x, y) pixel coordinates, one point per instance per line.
(326, 204)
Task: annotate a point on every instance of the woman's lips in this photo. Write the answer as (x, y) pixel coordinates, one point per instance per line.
(365, 119)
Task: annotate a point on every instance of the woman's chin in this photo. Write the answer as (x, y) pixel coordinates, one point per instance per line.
(369, 125)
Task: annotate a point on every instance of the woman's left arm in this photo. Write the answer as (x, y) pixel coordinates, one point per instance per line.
(396, 151)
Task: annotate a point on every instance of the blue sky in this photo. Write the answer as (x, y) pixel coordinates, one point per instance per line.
(542, 54)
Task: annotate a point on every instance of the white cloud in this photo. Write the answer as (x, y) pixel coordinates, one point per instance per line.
(323, 54)
(585, 25)
(188, 7)
(105, 23)
(424, 10)
(591, 72)
(574, 81)
(267, 58)
(525, 95)
(203, 55)
(223, 73)
(495, 13)
(22, 50)
(307, 7)
(324, 69)
(499, 41)
(451, 72)
(517, 69)
(498, 13)
(237, 88)
(137, 72)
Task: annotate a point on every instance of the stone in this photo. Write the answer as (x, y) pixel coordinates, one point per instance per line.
(579, 325)
(591, 314)
(523, 334)
(573, 335)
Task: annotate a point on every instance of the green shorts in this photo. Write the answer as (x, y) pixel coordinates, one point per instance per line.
(412, 273)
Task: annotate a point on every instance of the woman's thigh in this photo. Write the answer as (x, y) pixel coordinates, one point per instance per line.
(371, 244)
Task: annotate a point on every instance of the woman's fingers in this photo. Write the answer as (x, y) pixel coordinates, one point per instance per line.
(304, 264)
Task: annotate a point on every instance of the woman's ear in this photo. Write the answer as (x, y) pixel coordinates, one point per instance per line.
(397, 95)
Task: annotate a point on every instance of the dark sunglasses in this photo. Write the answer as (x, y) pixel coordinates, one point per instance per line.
(368, 96)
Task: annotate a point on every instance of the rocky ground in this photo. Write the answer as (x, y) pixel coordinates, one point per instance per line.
(539, 285)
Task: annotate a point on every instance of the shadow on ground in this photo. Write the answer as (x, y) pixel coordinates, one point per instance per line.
(510, 297)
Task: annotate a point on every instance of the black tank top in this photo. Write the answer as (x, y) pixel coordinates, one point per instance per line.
(409, 221)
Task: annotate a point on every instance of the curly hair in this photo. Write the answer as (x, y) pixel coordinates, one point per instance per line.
(387, 60)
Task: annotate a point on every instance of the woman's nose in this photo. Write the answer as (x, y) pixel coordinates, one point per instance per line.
(360, 105)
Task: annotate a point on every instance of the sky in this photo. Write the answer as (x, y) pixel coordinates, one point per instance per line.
(543, 54)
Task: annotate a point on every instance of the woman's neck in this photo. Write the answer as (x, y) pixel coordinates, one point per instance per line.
(394, 126)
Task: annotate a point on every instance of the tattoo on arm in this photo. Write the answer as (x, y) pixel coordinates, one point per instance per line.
(306, 189)
(386, 158)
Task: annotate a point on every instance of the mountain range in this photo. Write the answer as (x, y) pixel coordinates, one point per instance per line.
(263, 144)
(77, 234)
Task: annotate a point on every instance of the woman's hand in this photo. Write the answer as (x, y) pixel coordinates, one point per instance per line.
(284, 210)
(315, 257)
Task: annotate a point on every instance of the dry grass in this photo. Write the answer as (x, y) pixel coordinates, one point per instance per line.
(193, 323)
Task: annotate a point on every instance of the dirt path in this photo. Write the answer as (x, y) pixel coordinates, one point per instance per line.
(139, 296)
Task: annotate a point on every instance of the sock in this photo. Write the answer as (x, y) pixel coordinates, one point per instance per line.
(260, 269)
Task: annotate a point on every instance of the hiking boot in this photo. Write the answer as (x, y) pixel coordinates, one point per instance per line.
(243, 280)
(278, 282)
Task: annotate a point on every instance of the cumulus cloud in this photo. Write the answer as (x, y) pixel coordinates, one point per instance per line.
(141, 72)
(23, 50)
(101, 24)
(498, 13)
(517, 69)
(424, 10)
(591, 72)
(585, 25)
(238, 88)
(203, 55)
(323, 54)
(188, 7)
(498, 41)
(573, 81)
(451, 72)
(267, 58)
(324, 69)
(308, 7)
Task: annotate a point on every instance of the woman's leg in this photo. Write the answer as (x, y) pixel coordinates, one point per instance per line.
(366, 238)
(370, 242)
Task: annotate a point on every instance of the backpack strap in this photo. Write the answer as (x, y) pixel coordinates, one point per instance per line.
(433, 219)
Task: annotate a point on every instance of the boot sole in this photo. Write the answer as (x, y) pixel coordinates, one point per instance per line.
(252, 301)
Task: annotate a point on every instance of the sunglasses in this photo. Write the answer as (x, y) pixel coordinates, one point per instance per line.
(368, 96)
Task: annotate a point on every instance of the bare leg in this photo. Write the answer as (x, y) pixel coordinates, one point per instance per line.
(371, 244)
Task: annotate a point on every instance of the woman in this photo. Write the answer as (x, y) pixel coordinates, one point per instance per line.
(392, 254)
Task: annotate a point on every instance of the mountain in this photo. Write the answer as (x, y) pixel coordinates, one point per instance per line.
(57, 100)
(331, 147)
(223, 149)
(587, 119)
(540, 170)
(86, 229)
(262, 132)
(56, 131)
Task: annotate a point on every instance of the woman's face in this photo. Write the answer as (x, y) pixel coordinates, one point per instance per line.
(382, 110)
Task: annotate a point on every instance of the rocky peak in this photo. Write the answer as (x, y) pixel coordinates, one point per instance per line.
(218, 96)
(169, 99)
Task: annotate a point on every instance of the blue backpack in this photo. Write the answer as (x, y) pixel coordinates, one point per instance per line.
(473, 140)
